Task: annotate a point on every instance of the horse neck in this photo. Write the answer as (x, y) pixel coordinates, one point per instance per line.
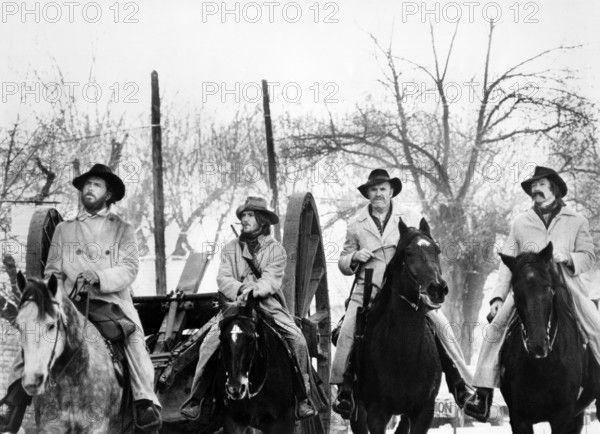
(75, 355)
(396, 309)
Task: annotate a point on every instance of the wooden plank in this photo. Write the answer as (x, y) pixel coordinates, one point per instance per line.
(313, 285)
(310, 244)
(272, 168)
(193, 272)
(159, 201)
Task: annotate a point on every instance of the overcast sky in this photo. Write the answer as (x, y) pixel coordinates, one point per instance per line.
(313, 53)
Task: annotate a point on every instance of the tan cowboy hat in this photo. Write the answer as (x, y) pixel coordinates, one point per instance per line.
(254, 203)
(379, 176)
(101, 171)
(545, 172)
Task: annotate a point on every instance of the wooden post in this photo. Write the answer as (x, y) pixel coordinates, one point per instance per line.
(157, 168)
(272, 164)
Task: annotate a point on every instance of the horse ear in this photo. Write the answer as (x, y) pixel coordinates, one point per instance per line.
(424, 226)
(546, 254)
(509, 261)
(21, 281)
(250, 303)
(402, 227)
(52, 285)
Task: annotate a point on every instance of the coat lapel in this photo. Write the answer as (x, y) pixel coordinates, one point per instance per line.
(368, 223)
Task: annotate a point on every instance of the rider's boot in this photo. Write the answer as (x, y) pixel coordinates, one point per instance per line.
(454, 380)
(304, 408)
(16, 401)
(478, 406)
(344, 403)
(147, 416)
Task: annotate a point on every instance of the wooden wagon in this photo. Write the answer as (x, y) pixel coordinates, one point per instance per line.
(175, 324)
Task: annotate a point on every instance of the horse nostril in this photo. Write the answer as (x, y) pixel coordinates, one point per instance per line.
(446, 290)
(38, 379)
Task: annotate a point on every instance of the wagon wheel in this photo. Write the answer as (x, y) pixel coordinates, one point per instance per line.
(41, 229)
(306, 294)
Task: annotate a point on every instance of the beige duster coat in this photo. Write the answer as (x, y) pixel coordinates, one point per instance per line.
(105, 244)
(270, 261)
(569, 233)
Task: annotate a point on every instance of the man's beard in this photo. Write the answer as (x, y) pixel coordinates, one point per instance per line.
(93, 207)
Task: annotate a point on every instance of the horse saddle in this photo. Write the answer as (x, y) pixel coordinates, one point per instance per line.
(114, 326)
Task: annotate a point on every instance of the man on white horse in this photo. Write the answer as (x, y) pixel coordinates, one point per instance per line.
(548, 220)
(96, 252)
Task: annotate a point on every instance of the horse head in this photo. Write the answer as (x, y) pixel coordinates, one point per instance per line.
(534, 284)
(239, 345)
(417, 260)
(40, 321)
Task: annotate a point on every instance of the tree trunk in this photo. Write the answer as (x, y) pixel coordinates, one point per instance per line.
(182, 247)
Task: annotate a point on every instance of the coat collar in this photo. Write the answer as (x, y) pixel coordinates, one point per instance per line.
(370, 225)
(84, 215)
(565, 210)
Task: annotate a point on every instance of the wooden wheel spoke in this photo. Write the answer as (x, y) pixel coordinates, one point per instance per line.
(41, 230)
(305, 290)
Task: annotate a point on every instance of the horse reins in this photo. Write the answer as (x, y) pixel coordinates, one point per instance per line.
(548, 329)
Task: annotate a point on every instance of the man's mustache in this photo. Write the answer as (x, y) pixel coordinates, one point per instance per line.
(538, 193)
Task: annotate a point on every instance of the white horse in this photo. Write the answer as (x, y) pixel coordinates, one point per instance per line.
(66, 364)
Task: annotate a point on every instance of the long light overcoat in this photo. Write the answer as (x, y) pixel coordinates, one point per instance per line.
(569, 233)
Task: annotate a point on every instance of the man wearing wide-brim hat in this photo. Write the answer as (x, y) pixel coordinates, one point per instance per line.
(548, 220)
(236, 280)
(371, 240)
(96, 252)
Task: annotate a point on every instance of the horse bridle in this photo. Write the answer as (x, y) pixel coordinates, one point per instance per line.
(548, 328)
(516, 272)
(256, 350)
(407, 270)
(59, 322)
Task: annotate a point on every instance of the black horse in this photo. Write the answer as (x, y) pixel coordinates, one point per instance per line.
(401, 369)
(256, 374)
(544, 359)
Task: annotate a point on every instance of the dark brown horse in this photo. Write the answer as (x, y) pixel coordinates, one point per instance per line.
(66, 364)
(401, 369)
(544, 359)
(255, 377)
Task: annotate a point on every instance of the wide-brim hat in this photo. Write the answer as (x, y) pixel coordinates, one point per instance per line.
(114, 183)
(257, 204)
(545, 172)
(379, 176)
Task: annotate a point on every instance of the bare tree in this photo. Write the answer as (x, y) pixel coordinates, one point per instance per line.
(430, 143)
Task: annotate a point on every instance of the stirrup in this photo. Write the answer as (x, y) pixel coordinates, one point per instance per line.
(478, 407)
(344, 406)
(155, 424)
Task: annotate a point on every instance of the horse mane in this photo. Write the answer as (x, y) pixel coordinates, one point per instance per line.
(37, 292)
(562, 295)
(381, 300)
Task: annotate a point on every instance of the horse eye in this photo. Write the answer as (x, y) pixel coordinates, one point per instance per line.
(51, 326)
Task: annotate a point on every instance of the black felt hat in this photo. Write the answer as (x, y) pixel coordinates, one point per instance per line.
(101, 171)
(545, 172)
(379, 176)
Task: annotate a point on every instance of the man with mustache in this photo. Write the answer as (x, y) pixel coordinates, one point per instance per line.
(548, 220)
(371, 241)
(96, 251)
